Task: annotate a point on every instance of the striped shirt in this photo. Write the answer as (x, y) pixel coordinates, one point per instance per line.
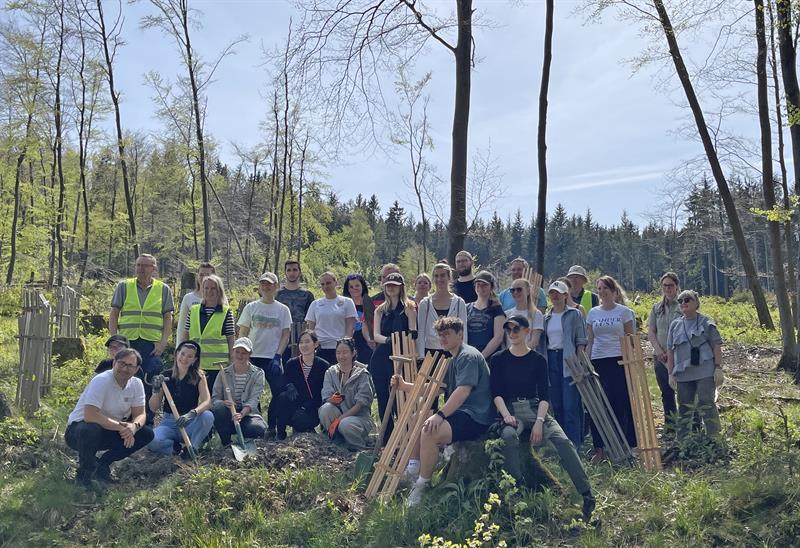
(228, 326)
(239, 381)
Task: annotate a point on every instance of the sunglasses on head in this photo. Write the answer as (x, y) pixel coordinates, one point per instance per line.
(685, 300)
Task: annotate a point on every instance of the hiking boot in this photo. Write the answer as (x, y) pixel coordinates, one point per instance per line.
(589, 504)
(103, 473)
(416, 493)
(271, 433)
(281, 434)
(84, 478)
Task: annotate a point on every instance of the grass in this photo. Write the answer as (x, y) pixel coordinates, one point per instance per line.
(748, 497)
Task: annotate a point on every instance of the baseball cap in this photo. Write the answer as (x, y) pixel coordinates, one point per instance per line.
(485, 276)
(559, 286)
(269, 277)
(122, 339)
(244, 342)
(578, 270)
(395, 278)
(519, 320)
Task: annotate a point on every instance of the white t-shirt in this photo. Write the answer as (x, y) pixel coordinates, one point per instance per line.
(555, 332)
(113, 401)
(186, 305)
(266, 323)
(329, 317)
(607, 327)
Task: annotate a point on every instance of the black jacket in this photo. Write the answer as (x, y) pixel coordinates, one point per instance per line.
(293, 374)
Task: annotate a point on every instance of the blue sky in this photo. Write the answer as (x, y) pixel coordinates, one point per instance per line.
(611, 135)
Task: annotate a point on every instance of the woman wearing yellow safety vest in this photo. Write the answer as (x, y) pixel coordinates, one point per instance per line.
(210, 323)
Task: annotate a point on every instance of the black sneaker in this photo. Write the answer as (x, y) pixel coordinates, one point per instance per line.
(84, 478)
(589, 504)
(103, 473)
(271, 433)
(281, 434)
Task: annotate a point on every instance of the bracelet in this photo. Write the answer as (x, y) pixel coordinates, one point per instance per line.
(441, 415)
(540, 419)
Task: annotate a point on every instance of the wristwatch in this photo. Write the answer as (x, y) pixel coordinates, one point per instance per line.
(540, 419)
(441, 415)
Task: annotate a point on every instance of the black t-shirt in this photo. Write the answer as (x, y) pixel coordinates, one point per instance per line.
(104, 365)
(184, 394)
(465, 290)
(298, 301)
(480, 324)
(519, 376)
(394, 321)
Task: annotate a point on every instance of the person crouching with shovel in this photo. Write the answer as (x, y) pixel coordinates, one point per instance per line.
(240, 407)
(188, 409)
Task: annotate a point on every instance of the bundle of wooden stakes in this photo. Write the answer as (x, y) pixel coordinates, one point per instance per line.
(389, 469)
(594, 398)
(641, 406)
(535, 280)
(404, 358)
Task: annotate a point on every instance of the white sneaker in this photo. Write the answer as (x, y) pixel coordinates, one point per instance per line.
(448, 452)
(411, 473)
(416, 493)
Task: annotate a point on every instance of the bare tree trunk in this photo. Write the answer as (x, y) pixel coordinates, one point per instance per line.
(272, 220)
(541, 213)
(300, 200)
(773, 227)
(457, 226)
(253, 184)
(791, 252)
(282, 200)
(113, 214)
(118, 121)
(760, 300)
(59, 149)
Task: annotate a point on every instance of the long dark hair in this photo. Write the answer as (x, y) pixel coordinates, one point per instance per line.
(193, 373)
(364, 287)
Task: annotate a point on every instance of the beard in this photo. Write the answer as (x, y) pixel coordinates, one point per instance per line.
(465, 272)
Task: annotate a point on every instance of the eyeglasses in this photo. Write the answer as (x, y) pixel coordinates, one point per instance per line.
(127, 365)
(685, 300)
(515, 289)
(512, 329)
(667, 285)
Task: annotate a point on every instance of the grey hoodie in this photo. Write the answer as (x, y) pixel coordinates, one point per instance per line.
(357, 389)
(573, 325)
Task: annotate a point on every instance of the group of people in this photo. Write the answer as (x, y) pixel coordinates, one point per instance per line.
(326, 359)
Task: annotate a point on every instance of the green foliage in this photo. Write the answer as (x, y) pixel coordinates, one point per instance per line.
(17, 431)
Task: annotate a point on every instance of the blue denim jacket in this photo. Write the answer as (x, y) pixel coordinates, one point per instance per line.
(573, 324)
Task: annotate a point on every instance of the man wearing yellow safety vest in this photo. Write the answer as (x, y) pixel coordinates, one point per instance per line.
(141, 310)
(577, 277)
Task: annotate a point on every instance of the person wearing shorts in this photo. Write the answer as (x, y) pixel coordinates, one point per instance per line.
(466, 413)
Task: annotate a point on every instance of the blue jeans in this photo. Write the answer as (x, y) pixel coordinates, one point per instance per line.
(565, 399)
(167, 432)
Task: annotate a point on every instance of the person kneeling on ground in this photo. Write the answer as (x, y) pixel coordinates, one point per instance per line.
(348, 393)
(520, 389)
(298, 405)
(189, 389)
(109, 416)
(467, 411)
(246, 382)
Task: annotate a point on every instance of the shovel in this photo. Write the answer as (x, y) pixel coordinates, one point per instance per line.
(366, 461)
(186, 441)
(244, 448)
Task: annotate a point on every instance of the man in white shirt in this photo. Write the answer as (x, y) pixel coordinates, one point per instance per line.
(109, 416)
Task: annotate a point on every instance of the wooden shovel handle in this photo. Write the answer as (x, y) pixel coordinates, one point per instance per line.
(226, 386)
(167, 394)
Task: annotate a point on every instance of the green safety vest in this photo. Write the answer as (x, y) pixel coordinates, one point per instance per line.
(213, 345)
(137, 321)
(586, 300)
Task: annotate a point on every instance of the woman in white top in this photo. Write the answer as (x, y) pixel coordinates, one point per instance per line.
(422, 287)
(523, 306)
(332, 318)
(193, 297)
(605, 324)
(441, 303)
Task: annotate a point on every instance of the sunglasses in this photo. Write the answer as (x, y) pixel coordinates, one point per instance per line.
(685, 300)
(515, 289)
(512, 329)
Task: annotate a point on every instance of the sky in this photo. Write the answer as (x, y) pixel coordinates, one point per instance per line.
(612, 136)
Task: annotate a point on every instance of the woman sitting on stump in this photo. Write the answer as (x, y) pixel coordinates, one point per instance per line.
(246, 382)
(348, 393)
(520, 389)
(189, 389)
(298, 405)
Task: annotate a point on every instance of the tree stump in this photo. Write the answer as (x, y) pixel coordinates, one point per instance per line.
(94, 323)
(67, 349)
(469, 461)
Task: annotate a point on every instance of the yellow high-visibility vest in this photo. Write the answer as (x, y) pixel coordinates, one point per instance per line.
(213, 345)
(137, 321)
(586, 300)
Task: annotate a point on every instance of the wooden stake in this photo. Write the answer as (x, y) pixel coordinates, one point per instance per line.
(641, 406)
